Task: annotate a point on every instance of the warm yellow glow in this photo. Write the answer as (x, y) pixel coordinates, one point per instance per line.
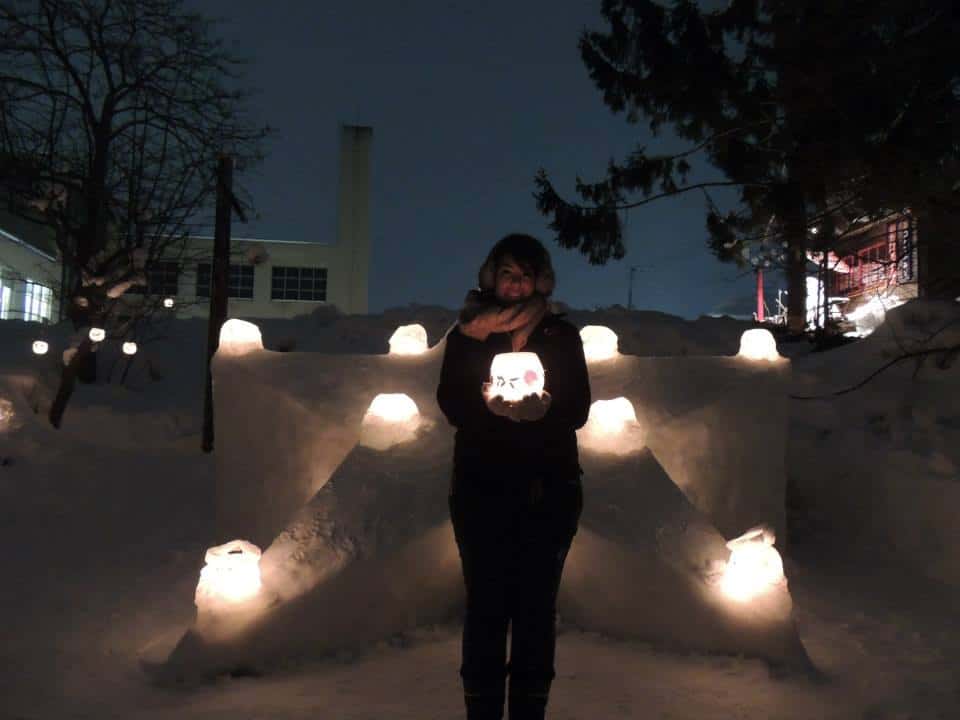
(758, 344)
(599, 343)
(40, 347)
(7, 414)
(611, 416)
(513, 376)
(754, 566)
(612, 427)
(409, 340)
(393, 407)
(391, 419)
(168, 302)
(129, 348)
(231, 573)
(97, 334)
(239, 336)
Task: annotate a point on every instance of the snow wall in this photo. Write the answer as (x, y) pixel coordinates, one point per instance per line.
(358, 544)
(286, 421)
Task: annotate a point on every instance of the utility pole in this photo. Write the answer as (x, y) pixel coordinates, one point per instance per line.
(219, 282)
(633, 269)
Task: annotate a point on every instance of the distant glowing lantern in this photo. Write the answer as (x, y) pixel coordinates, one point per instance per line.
(391, 419)
(7, 414)
(238, 337)
(599, 342)
(758, 344)
(513, 376)
(129, 348)
(40, 347)
(97, 334)
(409, 340)
(168, 302)
(612, 427)
(231, 574)
(754, 567)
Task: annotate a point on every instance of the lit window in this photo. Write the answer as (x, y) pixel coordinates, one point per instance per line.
(36, 302)
(4, 301)
(293, 283)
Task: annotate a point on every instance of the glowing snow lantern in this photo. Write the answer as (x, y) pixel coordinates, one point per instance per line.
(40, 347)
(754, 567)
(231, 574)
(513, 376)
(129, 348)
(758, 344)
(409, 340)
(7, 414)
(599, 342)
(238, 337)
(612, 427)
(168, 302)
(97, 334)
(391, 419)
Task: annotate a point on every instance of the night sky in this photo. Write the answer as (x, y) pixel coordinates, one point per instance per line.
(466, 100)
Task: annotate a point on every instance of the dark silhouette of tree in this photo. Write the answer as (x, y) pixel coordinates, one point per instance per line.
(112, 116)
(819, 114)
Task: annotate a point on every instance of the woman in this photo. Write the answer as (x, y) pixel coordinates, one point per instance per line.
(515, 496)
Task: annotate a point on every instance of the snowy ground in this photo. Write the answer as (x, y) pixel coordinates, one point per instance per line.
(104, 524)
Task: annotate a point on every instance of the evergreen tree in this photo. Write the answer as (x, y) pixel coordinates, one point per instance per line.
(819, 113)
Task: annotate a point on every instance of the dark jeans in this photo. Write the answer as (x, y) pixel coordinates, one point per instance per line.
(513, 533)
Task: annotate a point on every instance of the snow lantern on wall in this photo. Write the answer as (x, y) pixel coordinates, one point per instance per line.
(97, 334)
(238, 337)
(754, 566)
(129, 348)
(230, 576)
(515, 375)
(612, 427)
(758, 344)
(599, 343)
(40, 347)
(391, 419)
(409, 340)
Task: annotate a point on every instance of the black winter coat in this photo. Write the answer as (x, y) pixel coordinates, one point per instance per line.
(486, 442)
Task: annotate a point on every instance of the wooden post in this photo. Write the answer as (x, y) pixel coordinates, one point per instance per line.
(760, 314)
(218, 284)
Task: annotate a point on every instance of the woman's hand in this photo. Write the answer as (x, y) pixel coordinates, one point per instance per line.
(530, 408)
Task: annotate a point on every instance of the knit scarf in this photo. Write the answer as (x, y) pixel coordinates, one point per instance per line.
(483, 314)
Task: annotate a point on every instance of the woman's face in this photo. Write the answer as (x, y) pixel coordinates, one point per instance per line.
(513, 283)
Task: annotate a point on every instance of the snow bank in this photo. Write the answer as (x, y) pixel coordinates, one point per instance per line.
(876, 470)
